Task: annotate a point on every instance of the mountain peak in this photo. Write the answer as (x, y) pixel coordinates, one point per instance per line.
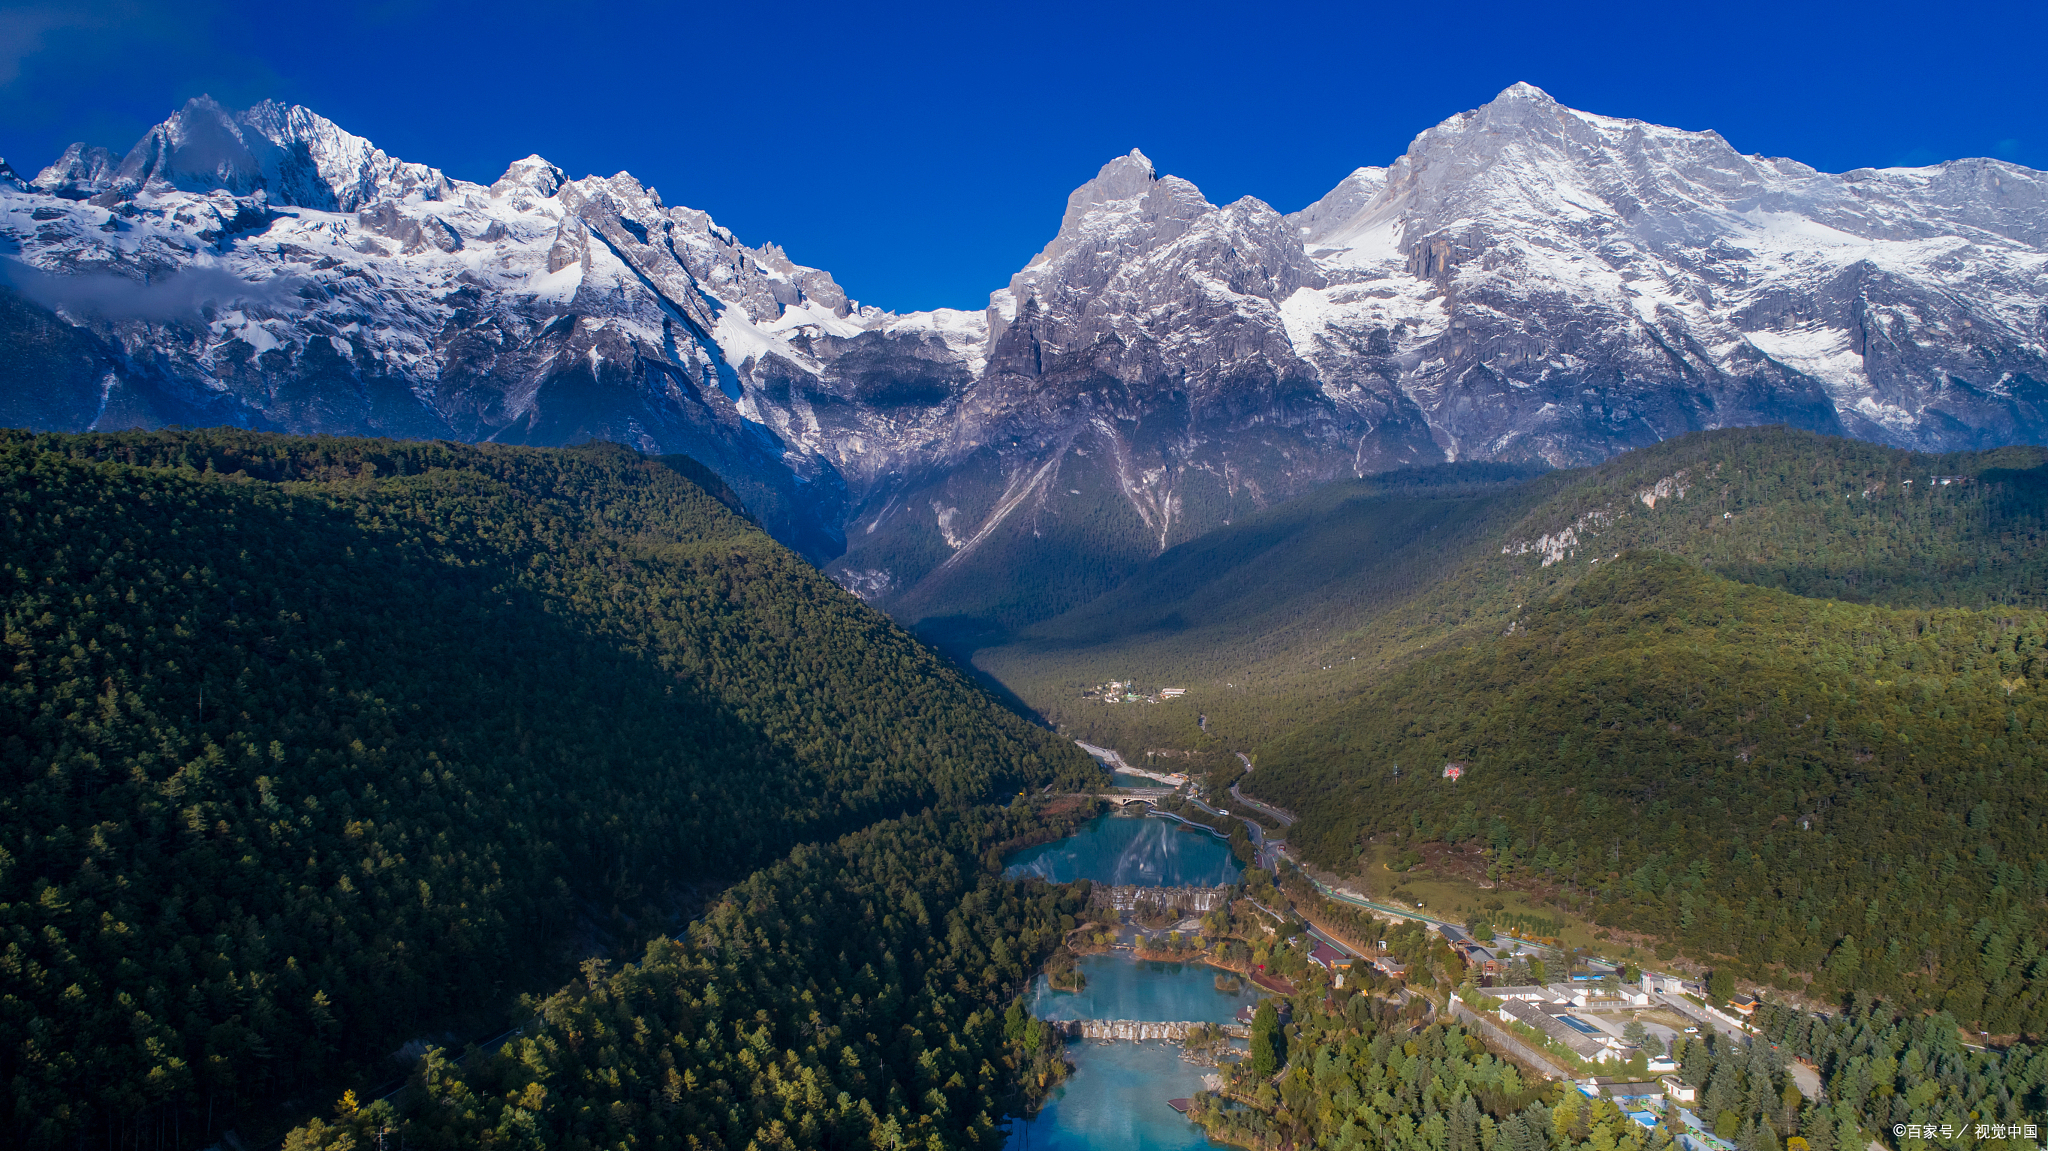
(534, 173)
(200, 148)
(81, 171)
(1124, 178)
(1523, 92)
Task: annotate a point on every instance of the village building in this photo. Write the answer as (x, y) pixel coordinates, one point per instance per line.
(1581, 1039)
(1584, 995)
(1630, 1091)
(1329, 958)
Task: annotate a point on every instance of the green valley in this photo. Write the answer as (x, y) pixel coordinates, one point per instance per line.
(1758, 698)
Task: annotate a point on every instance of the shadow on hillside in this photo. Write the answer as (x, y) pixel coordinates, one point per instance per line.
(958, 638)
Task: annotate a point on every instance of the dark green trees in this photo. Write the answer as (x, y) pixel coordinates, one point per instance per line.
(1721, 985)
(312, 747)
(857, 994)
(1269, 1044)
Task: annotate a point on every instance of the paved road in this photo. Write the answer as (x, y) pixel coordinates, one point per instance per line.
(1685, 1008)
(1340, 945)
(1105, 754)
(1807, 1078)
(1265, 852)
(1279, 816)
(1284, 819)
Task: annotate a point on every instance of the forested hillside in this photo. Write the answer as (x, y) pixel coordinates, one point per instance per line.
(1269, 621)
(315, 746)
(1888, 1067)
(1802, 786)
(851, 995)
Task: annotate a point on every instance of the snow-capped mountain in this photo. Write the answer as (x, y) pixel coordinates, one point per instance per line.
(1528, 281)
(1572, 283)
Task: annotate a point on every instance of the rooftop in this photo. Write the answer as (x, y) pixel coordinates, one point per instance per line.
(1554, 1027)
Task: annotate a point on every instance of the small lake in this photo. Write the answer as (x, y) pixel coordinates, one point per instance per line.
(1142, 851)
(1116, 1100)
(1127, 779)
(1119, 987)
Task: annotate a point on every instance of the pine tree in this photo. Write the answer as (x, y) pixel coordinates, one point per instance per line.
(1267, 1042)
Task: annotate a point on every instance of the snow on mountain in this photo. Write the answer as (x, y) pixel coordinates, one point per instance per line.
(1610, 282)
(299, 278)
(79, 172)
(1527, 281)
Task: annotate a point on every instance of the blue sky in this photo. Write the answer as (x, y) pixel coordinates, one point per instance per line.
(923, 152)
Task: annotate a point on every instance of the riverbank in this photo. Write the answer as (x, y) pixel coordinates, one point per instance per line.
(1064, 817)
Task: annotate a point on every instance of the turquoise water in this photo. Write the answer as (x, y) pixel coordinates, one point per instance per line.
(1119, 987)
(1116, 1099)
(1126, 779)
(1134, 850)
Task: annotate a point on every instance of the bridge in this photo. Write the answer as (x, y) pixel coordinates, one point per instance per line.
(1131, 795)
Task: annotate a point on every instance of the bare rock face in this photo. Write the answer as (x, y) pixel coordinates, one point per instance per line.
(1526, 282)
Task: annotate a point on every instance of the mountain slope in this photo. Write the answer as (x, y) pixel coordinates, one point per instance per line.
(1609, 283)
(1271, 619)
(1809, 788)
(1527, 282)
(315, 746)
(678, 1049)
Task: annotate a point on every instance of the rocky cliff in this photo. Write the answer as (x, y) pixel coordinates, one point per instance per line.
(1527, 282)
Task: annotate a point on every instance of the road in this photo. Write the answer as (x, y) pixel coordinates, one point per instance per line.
(1265, 853)
(1807, 1078)
(1284, 819)
(1686, 1008)
(1277, 815)
(1107, 755)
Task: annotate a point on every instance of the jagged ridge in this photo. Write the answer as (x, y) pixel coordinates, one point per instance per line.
(1526, 282)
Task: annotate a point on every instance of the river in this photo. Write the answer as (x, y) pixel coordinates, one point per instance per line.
(1116, 1097)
